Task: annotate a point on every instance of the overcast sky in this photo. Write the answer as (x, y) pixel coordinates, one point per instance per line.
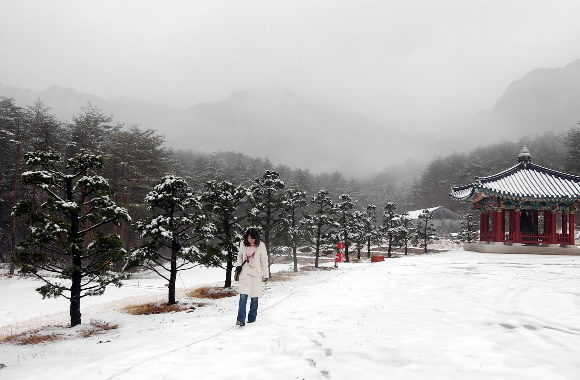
(392, 59)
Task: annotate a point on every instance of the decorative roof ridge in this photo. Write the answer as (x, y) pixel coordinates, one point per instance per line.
(528, 166)
(462, 187)
(557, 173)
(517, 167)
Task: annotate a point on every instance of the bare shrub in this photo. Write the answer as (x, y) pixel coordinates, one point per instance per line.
(312, 268)
(153, 308)
(211, 292)
(31, 337)
(55, 333)
(282, 276)
(98, 328)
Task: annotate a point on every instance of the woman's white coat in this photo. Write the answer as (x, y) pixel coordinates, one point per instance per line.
(254, 271)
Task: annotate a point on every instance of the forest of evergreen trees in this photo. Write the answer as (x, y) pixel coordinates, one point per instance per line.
(136, 159)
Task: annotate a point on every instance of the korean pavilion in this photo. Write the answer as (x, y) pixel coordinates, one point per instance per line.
(524, 209)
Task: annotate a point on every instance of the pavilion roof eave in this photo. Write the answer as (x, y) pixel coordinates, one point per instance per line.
(475, 193)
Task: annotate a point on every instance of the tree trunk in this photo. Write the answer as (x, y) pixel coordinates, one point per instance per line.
(368, 247)
(346, 244)
(13, 229)
(229, 269)
(231, 255)
(294, 239)
(173, 274)
(267, 229)
(295, 259)
(75, 295)
(317, 253)
(77, 261)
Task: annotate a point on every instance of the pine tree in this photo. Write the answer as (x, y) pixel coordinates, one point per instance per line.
(12, 145)
(369, 225)
(469, 229)
(174, 231)
(425, 229)
(344, 221)
(406, 231)
(68, 237)
(322, 222)
(296, 228)
(90, 130)
(572, 145)
(266, 202)
(357, 231)
(136, 159)
(390, 228)
(46, 132)
(222, 201)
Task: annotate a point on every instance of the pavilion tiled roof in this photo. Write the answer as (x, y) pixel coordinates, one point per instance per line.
(525, 181)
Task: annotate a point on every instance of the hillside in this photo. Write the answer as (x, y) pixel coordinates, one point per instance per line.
(294, 130)
(546, 99)
(283, 126)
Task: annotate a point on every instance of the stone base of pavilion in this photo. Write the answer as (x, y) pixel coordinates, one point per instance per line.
(516, 248)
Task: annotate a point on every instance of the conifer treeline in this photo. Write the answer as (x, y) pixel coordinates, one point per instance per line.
(136, 158)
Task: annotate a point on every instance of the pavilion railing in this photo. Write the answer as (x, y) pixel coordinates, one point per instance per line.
(542, 238)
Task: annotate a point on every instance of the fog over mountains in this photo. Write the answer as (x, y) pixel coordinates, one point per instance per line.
(292, 129)
(543, 100)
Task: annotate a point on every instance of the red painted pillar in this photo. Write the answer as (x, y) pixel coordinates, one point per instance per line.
(564, 232)
(498, 225)
(552, 229)
(571, 228)
(482, 226)
(517, 226)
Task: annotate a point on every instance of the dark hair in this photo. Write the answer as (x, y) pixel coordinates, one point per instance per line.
(251, 232)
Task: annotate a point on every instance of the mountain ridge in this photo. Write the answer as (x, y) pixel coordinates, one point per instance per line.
(292, 129)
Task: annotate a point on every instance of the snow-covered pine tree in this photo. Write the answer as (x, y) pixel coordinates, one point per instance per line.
(222, 200)
(322, 222)
(343, 208)
(174, 232)
(136, 160)
(46, 132)
(266, 207)
(469, 229)
(572, 145)
(297, 232)
(90, 130)
(357, 231)
(12, 138)
(369, 225)
(70, 235)
(425, 229)
(390, 226)
(406, 231)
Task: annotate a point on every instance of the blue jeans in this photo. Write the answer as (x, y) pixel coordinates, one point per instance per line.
(242, 308)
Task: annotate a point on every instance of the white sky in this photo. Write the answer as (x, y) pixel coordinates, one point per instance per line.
(454, 315)
(421, 60)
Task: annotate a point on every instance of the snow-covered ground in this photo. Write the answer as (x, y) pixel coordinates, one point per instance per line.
(452, 315)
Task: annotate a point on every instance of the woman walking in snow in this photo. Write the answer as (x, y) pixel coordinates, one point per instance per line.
(253, 261)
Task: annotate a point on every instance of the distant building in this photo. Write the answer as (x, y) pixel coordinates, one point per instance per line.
(445, 222)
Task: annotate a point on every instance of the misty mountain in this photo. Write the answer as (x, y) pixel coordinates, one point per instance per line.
(279, 125)
(291, 129)
(546, 99)
(66, 102)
